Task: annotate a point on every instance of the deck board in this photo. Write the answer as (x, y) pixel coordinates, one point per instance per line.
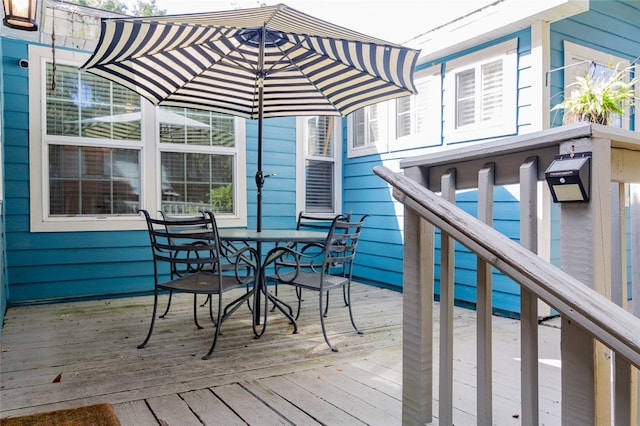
(281, 378)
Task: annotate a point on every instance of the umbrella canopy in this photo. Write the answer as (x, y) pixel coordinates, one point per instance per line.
(255, 63)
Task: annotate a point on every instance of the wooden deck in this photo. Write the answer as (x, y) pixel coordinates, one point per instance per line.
(281, 378)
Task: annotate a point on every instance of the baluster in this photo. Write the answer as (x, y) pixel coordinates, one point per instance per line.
(484, 305)
(529, 386)
(447, 283)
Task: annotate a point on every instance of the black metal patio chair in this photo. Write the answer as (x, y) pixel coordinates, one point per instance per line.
(308, 222)
(227, 264)
(191, 249)
(323, 267)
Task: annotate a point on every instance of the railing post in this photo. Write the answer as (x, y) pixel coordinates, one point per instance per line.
(528, 302)
(585, 254)
(484, 305)
(417, 316)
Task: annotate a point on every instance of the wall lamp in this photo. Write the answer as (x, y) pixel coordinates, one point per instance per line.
(569, 177)
(20, 14)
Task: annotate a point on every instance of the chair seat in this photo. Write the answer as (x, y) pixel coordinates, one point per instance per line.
(311, 280)
(202, 283)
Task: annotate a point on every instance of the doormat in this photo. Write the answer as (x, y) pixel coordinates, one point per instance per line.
(91, 415)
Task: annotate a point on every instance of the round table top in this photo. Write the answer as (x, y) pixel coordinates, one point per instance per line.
(273, 235)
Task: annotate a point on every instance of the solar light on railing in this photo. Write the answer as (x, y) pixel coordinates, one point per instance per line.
(569, 177)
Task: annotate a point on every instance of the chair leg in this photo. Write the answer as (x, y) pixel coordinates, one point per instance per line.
(166, 311)
(153, 320)
(195, 311)
(324, 330)
(353, 323)
(207, 300)
(344, 296)
(218, 325)
(299, 296)
(275, 284)
(326, 308)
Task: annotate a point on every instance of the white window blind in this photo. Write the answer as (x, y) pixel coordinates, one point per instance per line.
(320, 183)
(98, 153)
(481, 94)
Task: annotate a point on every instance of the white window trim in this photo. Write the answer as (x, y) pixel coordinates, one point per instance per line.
(637, 105)
(150, 191)
(573, 51)
(507, 50)
(300, 167)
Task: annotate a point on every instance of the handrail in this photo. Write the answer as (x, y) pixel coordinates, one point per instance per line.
(600, 317)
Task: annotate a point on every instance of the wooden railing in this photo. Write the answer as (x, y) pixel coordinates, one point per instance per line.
(593, 326)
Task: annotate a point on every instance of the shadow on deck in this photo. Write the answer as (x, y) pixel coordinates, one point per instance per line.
(280, 378)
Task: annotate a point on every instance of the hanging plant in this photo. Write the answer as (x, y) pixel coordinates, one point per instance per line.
(596, 99)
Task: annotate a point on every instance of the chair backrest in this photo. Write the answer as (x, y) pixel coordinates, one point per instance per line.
(340, 246)
(311, 222)
(187, 244)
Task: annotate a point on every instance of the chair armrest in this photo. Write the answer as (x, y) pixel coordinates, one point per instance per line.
(285, 260)
(246, 259)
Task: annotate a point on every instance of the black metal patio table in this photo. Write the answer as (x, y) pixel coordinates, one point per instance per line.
(269, 236)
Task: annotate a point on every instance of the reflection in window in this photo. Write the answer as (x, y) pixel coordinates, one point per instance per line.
(93, 181)
(195, 127)
(197, 165)
(80, 104)
(193, 182)
(95, 139)
(88, 116)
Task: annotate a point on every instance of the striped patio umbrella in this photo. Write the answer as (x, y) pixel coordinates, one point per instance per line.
(255, 63)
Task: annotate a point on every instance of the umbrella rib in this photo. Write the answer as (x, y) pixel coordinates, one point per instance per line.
(236, 63)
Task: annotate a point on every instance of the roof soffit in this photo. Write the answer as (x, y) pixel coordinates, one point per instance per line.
(491, 22)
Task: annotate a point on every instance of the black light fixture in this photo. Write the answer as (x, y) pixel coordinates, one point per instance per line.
(569, 177)
(20, 14)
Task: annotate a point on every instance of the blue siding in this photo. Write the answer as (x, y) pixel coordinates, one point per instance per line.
(380, 252)
(279, 157)
(3, 281)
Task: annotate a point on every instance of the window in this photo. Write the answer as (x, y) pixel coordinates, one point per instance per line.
(98, 153)
(583, 60)
(480, 94)
(319, 171)
(405, 123)
(196, 171)
(90, 172)
(368, 130)
(418, 117)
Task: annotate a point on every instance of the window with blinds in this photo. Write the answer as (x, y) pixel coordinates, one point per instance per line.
(405, 123)
(320, 193)
(98, 153)
(93, 129)
(481, 94)
(418, 116)
(368, 126)
(196, 171)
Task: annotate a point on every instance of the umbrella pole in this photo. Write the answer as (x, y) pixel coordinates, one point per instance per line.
(262, 282)
(260, 173)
